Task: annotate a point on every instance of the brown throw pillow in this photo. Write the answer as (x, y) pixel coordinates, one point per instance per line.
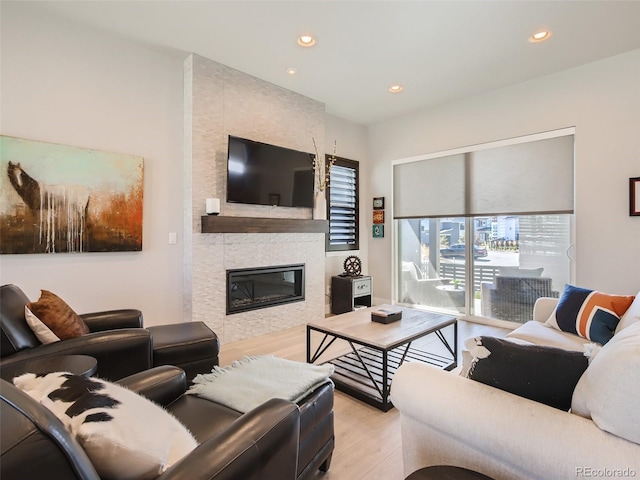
(58, 316)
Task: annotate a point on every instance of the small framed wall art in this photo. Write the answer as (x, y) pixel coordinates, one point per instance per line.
(378, 216)
(378, 203)
(378, 231)
(634, 196)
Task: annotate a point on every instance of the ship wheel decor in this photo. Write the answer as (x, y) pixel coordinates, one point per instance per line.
(352, 266)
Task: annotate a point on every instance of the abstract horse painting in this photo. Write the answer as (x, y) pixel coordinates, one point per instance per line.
(57, 199)
(60, 210)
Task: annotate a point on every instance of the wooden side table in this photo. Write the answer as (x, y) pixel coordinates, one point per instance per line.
(347, 292)
(76, 364)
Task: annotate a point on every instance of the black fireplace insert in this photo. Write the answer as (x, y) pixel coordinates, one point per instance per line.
(253, 288)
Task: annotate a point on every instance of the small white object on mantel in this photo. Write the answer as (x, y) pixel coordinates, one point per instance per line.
(320, 206)
(212, 206)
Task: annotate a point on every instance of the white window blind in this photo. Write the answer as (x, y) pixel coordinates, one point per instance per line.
(429, 188)
(343, 206)
(524, 178)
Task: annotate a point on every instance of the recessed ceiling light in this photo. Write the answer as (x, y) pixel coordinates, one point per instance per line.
(396, 88)
(540, 36)
(291, 71)
(306, 41)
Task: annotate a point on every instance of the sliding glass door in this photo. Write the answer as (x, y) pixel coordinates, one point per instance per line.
(485, 232)
(493, 267)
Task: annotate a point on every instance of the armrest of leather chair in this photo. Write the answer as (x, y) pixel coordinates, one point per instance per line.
(118, 352)
(35, 443)
(162, 384)
(113, 319)
(262, 443)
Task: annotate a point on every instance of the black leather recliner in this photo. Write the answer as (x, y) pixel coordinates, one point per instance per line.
(261, 444)
(117, 340)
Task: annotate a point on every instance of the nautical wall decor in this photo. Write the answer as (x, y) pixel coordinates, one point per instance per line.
(60, 199)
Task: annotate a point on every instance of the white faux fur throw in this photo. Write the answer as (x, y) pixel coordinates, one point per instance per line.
(250, 382)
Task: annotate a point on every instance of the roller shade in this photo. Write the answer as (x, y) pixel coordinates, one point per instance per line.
(525, 178)
(429, 188)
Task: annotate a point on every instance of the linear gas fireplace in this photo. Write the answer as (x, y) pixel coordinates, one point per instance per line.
(253, 288)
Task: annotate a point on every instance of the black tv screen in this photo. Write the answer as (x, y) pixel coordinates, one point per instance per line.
(262, 174)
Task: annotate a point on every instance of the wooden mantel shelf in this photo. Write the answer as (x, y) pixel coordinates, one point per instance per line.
(225, 224)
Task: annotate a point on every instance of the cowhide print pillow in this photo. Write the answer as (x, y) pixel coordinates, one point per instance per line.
(58, 316)
(125, 435)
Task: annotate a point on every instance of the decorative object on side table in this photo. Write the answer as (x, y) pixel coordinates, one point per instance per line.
(634, 196)
(378, 231)
(386, 314)
(378, 203)
(378, 216)
(322, 174)
(352, 266)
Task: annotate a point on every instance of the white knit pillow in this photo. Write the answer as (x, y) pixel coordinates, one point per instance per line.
(125, 435)
(609, 389)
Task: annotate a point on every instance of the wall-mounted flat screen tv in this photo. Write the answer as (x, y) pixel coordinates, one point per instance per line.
(263, 174)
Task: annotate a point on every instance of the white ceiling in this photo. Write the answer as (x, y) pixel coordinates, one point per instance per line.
(439, 50)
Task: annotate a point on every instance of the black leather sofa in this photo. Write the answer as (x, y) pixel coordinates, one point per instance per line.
(261, 444)
(117, 340)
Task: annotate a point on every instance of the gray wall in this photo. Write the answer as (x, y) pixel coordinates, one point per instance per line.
(63, 83)
(69, 84)
(601, 100)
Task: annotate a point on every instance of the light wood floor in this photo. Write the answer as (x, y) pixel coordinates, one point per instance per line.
(367, 440)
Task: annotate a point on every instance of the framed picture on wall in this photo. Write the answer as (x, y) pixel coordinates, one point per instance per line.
(378, 231)
(634, 196)
(378, 216)
(378, 203)
(95, 197)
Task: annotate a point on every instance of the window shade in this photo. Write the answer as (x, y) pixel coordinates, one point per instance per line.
(525, 178)
(533, 177)
(429, 188)
(343, 207)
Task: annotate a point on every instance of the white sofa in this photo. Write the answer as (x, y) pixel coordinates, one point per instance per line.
(447, 419)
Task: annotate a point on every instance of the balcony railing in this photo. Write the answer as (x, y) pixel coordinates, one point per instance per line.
(481, 273)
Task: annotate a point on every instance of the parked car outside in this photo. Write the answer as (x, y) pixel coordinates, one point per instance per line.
(458, 250)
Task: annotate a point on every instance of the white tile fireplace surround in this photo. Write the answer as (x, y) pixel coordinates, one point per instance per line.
(219, 252)
(221, 101)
